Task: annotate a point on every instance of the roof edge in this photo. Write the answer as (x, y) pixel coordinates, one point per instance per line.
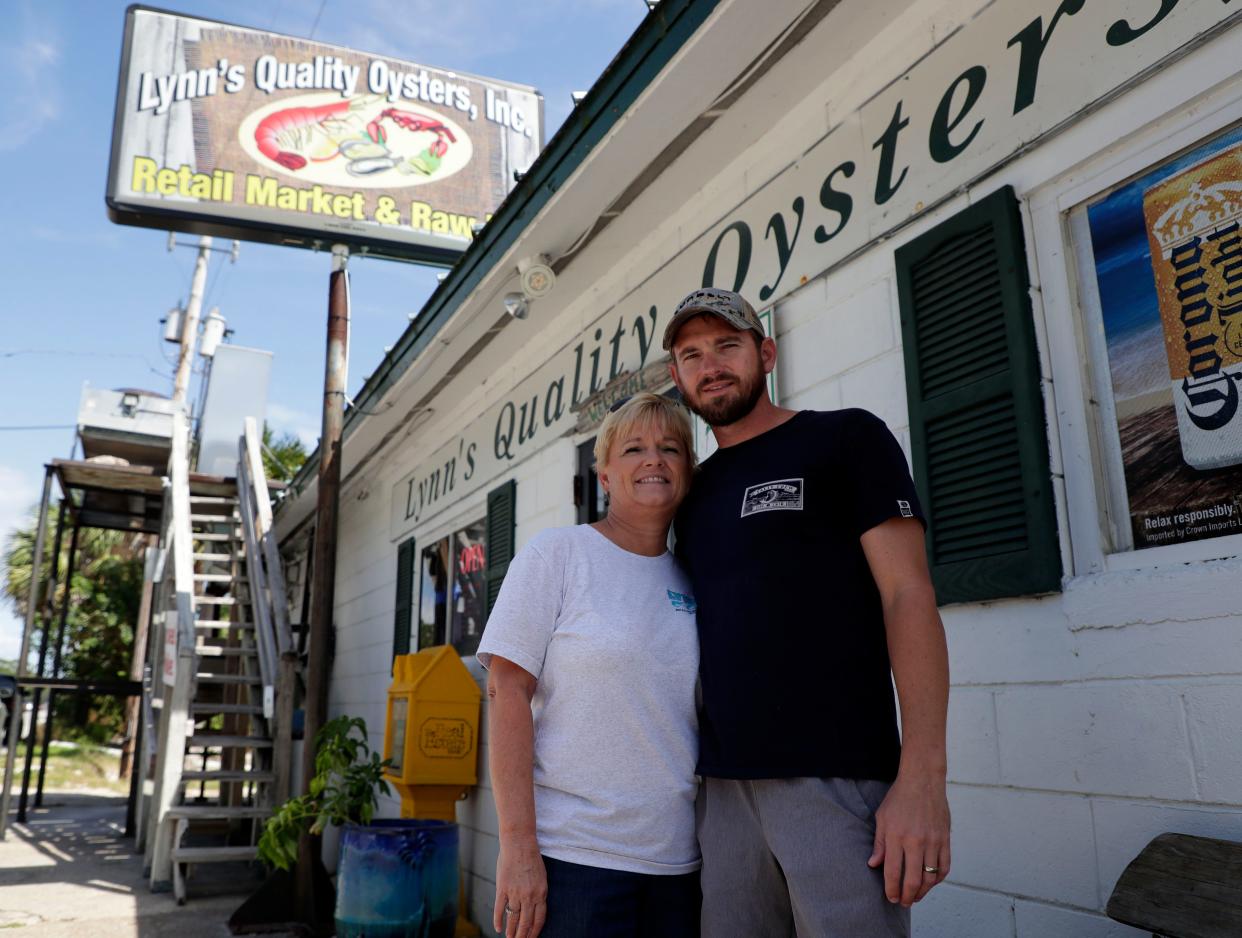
(658, 38)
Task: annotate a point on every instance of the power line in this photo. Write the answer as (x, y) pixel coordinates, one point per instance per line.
(45, 426)
(11, 353)
(315, 25)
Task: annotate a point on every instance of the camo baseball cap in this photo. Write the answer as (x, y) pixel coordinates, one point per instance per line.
(724, 304)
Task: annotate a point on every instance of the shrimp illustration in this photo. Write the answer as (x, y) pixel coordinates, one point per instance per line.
(283, 131)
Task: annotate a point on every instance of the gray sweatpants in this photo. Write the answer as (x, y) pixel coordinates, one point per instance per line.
(788, 857)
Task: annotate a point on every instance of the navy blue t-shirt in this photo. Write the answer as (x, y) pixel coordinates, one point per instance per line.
(793, 654)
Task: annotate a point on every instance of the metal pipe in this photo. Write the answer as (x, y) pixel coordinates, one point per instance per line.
(16, 723)
(70, 566)
(138, 657)
(48, 606)
(323, 581)
(135, 784)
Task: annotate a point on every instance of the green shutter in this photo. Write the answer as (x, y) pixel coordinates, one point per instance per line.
(405, 598)
(501, 532)
(978, 434)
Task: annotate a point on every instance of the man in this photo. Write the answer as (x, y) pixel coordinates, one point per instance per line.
(803, 538)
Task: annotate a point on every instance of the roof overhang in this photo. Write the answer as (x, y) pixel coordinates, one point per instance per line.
(665, 88)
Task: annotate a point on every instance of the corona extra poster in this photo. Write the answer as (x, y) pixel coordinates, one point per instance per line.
(1168, 266)
(247, 134)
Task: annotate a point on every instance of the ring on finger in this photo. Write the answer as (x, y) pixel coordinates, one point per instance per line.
(931, 869)
(510, 911)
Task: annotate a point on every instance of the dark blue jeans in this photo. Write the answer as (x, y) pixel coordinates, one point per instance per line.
(590, 902)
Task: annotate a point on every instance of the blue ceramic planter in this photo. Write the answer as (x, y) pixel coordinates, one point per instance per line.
(397, 879)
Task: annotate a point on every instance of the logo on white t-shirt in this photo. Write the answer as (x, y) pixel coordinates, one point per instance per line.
(781, 495)
(681, 602)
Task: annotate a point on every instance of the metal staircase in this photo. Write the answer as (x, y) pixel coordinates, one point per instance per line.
(227, 675)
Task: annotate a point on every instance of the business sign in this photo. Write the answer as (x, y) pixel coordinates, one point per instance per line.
(1168, 266)
(247, 134)
(1013, 75)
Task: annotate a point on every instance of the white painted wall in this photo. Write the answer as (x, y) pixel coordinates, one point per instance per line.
(1081, 724)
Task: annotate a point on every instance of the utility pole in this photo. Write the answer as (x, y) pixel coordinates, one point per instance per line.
(189, 322)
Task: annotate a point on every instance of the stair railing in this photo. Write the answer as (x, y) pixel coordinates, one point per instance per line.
(260, 604)
(269, 601)
(177, 670)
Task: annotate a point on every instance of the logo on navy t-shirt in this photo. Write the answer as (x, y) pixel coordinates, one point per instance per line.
(781, 495)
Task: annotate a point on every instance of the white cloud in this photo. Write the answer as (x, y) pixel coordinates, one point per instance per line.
(17, 493)
(304, 426)
(28, 75)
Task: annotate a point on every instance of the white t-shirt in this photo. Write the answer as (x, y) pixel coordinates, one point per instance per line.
(611, 637)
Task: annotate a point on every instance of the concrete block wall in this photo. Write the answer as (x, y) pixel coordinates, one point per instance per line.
(1081, 725)
(365, 606)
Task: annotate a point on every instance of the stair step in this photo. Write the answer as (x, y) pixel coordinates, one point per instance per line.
(214, 558)
(215, 600)
(225, 651)
(219, 578)
(213, 854)
(211, 536)
(206, 678)
(213, 499)
(221, 775)
(215, 518)
(221, 624)
(223, 741)
(194, 812)
(199, 706)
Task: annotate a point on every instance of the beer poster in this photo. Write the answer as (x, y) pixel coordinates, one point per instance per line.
(225, 130)
(1168, 265)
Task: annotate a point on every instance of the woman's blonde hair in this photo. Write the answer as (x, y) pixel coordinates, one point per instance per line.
(645, 407)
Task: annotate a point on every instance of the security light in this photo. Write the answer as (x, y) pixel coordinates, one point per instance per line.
(516, 305)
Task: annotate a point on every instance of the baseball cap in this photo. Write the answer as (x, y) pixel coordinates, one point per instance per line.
(723, 304)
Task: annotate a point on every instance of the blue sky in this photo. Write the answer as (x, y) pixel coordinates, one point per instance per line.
(85, 296)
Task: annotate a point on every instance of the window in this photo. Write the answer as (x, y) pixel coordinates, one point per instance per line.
(1160, 268)
(433, 594)
(469, 593)
(452, 604)
(588, 493)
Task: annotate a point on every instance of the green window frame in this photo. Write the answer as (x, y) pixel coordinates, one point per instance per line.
(501, 537)
(978, 432)
(406, 558)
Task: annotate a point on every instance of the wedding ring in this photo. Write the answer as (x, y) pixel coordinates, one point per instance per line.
(931, 869)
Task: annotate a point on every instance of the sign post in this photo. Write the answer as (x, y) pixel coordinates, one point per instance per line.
(323, 577)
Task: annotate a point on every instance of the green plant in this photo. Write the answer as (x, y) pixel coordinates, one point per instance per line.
(347, 777)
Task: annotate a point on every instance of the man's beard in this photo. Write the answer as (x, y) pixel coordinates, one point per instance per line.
(729, 408)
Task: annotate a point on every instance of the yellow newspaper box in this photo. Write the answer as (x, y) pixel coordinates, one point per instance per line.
(432, 732)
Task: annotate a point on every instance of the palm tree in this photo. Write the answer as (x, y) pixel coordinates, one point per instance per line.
(104, 595)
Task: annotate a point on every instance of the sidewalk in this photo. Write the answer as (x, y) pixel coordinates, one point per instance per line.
(70, 873)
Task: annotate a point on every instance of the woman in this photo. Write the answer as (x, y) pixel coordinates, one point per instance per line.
(593, 657)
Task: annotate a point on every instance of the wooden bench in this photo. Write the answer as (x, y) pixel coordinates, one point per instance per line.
(1181, 886)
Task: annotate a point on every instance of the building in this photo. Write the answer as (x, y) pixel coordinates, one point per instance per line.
(1010, 230)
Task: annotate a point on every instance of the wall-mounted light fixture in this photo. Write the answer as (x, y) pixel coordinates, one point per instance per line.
(516, 305)
(538, 278)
